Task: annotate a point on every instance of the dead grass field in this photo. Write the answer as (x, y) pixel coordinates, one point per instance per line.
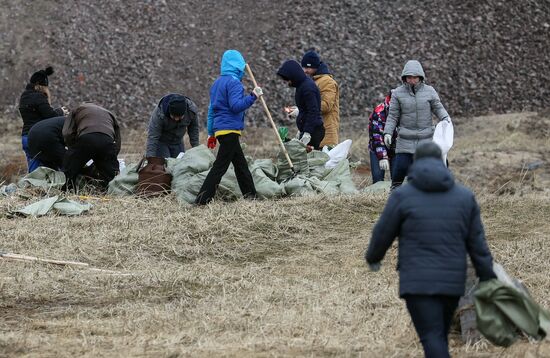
(263, 279)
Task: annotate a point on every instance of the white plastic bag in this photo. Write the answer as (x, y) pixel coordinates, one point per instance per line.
(443, 137)
(338, 153)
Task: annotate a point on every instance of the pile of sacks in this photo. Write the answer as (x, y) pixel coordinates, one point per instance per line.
(325, 172)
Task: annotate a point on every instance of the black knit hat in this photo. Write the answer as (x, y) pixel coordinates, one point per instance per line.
(41, 77)
(427, 150)
(311, 60)
(177, 107)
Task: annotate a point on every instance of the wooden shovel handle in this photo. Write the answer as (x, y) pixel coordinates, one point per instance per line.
(268, 113)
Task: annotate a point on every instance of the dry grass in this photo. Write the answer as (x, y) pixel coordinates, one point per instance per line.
(263, 278)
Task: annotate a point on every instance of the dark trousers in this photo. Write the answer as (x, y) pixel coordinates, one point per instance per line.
(401, 164)
(97, 146)
(50, 153)
(377, 174)
(165, 150)
(432, 316)
(230, 152)
(316, 137)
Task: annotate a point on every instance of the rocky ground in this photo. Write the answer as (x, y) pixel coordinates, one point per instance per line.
(482, 57)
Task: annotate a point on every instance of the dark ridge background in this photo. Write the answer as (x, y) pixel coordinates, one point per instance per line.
(481, 56)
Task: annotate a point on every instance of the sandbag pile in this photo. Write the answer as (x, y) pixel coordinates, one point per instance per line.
(271, 180)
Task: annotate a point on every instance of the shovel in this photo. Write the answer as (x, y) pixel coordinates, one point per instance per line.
(266, 109)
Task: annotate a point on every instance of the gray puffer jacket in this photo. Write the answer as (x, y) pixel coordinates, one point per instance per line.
(163, 129)
(411, 110)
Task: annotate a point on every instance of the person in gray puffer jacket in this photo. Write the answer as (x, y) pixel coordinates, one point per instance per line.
(171, 119)
(411, 108)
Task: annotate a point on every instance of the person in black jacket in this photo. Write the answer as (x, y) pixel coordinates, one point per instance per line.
(34, 106)
(46, 144)
(438, 223)
(308, 101)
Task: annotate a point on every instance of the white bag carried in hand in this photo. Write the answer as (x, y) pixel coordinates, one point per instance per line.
(443, 137)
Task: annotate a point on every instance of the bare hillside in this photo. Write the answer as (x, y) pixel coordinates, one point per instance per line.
(483, 57)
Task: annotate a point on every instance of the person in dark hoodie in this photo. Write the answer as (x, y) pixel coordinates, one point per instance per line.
(34, 106)
(91, 132)
(228, 103)
(46, 144)
(438, 223)
(171, 119)
(330, 96)
(308, 101)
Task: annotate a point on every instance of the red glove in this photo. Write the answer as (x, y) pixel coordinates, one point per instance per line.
(211, 142)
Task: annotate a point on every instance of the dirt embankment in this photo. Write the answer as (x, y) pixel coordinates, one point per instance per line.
(482, 57)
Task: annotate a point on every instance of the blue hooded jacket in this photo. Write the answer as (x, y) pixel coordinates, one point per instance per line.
(307, 97)
(438, 223)
(228, 101)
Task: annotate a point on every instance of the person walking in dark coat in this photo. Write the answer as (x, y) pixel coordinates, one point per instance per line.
(91, 132)
(228, 103)
(171, 119)
(46, 144)
(438, 223)
(34, 106)
(308, 100)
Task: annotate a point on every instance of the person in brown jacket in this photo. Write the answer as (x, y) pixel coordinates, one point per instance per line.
(330, 96)
(91, 132)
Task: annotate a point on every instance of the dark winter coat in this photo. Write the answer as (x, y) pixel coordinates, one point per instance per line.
(308, 97)
(438, 223)
(163, 129)
(46, 142)
(34, 107)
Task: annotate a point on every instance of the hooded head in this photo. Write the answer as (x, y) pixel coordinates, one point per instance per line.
(291, 70)
(311, 60)
(233, 64)
(41, 77)
(428, 172)
(413, 68)
(428, 150)
(177, 107)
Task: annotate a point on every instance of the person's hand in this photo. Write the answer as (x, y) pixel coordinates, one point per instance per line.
(65, 110)
(258, 92)
(306, 138)
(387, 140)
(384, 164)
(448, 119)
(211, 143)
(292, 111)
(375, 267)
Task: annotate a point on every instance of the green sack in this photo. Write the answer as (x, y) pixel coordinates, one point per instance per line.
(298, 155)
(316, 161)
(342, 176)
(502, 310)
(125, 182)
(44, 178)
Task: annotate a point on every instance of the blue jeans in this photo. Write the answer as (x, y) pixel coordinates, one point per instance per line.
(169, 150)
(377, 174)
(432, 316)
(401, 164)
(32, 163)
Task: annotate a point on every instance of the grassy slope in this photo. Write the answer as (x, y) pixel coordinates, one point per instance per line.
(280, 278)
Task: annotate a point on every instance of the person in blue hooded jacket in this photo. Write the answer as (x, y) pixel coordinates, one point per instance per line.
(228, 103)
(438, 223)
(308, 100)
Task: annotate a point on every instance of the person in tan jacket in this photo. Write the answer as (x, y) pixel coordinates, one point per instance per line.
(330, 96)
